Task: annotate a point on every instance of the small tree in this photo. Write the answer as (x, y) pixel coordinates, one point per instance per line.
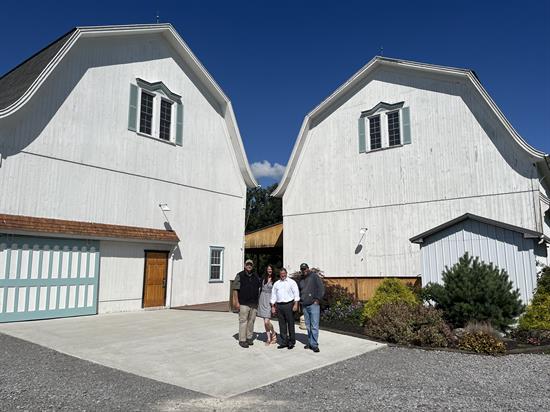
(390, 290)
(474, 290)
(537, 315)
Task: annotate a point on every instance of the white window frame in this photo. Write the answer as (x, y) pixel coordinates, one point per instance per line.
(386, 116)
(155, 122)
(383, 112)
(221, 264)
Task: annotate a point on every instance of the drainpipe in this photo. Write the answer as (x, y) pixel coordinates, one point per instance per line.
(172, 252)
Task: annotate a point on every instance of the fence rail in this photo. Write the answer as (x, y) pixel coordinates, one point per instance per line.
(364, 287)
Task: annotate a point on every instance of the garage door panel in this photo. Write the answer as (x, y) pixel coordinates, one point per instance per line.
(43, 278)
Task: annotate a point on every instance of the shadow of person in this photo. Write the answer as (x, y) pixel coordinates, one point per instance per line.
(257, 336)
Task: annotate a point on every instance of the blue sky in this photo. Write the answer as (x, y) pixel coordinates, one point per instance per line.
(278, 60)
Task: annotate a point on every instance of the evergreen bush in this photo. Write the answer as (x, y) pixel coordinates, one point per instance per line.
(390, 290)
(537, 315)
(474, 290)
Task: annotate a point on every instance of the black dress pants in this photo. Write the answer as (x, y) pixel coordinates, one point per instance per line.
(286, 323)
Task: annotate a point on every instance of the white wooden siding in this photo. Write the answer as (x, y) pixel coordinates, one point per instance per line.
(68, 155)
(460, 160)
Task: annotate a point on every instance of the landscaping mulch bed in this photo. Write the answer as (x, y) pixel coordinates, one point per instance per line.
(512, 346)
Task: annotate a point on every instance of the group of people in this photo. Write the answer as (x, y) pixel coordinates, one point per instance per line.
(267, 297)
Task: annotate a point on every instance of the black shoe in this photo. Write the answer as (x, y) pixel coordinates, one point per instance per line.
(282, 346)
(316, 349)
(307, 347)
(290, 346)
(243, 344)
(250, 342)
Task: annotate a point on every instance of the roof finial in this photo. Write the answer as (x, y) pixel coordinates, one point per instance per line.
(382, 50)
(158, 17)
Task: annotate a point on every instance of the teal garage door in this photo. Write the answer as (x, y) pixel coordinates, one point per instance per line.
(42, 278)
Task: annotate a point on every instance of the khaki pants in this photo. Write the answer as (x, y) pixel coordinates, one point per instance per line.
(247, 317)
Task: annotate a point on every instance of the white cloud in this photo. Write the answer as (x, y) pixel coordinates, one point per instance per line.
(266, 169)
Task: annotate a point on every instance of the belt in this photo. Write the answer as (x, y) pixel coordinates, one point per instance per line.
(285, 303)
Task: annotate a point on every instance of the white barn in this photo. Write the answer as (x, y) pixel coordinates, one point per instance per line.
(400, 148)
(123, 177)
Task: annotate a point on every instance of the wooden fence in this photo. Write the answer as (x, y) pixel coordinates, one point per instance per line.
(363, 288)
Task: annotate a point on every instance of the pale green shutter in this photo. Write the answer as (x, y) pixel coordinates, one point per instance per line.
(132, 108)
(406, 125)
(362, 140)
(179, 124)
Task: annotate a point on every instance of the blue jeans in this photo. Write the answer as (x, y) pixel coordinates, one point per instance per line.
(312, 313)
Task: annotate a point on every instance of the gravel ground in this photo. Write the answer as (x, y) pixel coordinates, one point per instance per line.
(36, 378)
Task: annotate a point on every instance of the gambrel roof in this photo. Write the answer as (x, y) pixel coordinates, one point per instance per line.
(376, 62)
(19, 85)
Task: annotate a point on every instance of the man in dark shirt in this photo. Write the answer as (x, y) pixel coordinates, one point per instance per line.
(246, 294)
(312, 291)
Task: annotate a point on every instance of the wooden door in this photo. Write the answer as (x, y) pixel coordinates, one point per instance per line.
(154, 285)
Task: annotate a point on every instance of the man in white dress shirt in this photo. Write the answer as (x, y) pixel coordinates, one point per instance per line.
(284, 300)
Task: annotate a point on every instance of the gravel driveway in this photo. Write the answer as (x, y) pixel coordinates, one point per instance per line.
(36, 378)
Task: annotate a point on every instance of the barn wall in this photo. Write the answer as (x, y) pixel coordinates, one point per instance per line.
(461, 160)
(68, 154)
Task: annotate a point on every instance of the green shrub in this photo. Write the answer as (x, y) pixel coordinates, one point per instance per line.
(537, 314)
(390, 290)
(481, 342)
(474, 290)
(409, 324)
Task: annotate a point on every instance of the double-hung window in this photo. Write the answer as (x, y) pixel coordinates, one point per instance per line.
(375, 132)
(216, 264)
(394, 129)
(384, 126)
(155, 112)
(146, 113)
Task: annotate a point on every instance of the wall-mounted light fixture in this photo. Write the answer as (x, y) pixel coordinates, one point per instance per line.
(164, 208)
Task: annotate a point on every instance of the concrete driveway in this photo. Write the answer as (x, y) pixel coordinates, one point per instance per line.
(193, 350)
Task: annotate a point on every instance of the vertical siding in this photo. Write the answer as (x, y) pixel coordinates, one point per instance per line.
(460, 160)
(68, 155)
(504, 248)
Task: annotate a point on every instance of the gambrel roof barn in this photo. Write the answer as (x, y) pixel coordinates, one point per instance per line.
(125, 176)
(398, 149)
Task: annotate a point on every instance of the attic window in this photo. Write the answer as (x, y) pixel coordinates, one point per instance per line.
(160, 113)
(165, 119)
(385, 125)
(394, 129)
(375, 132)
(146, 113)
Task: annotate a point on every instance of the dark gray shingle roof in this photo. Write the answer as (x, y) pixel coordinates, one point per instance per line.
(14, 83)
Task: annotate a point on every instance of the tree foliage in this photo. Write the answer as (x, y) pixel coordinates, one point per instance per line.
(537, 315)
(474, 290)
(390, 290)
(262, 209)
